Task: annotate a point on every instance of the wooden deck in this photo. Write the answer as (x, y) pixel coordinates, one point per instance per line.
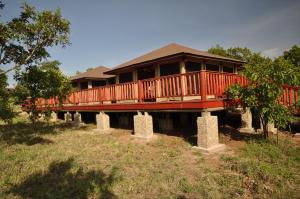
(190, 91)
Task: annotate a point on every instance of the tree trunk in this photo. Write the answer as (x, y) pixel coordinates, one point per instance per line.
(265, 128)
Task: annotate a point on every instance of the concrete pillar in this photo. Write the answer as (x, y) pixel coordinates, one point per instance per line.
(166, 124)
(270, 126)
(246, 117)
(77, 119)
(102, 120)
(68, 117)
(90, 84)
(143, 125)
(208, 137)
(53, 117)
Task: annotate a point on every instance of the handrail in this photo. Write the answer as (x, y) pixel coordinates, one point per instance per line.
(204, 85)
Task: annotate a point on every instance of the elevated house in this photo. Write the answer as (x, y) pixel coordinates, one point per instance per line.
(92, 78)
(172, 87)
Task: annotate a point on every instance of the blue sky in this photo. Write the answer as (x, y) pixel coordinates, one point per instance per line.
(111, 32)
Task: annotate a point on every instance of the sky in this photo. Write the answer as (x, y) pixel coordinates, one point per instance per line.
(111, 32)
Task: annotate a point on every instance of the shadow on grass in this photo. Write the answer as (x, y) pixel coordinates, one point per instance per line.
(60, 182)
(23, 133)
(234, 134)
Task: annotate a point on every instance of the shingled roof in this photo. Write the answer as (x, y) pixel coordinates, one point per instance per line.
(96, 73)
(166, 51)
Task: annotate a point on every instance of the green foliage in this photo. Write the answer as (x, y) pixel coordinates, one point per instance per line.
(42, 81)
(6, 108)
(24, 40)
(243, 54)
(266, 78)
(293, 55)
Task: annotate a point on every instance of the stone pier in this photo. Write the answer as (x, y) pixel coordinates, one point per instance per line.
(53, 117)
(208, 136)
(68, 117)
(143, 125)
(102, 120)
(270, 126)
(77, 120)
(246, 117)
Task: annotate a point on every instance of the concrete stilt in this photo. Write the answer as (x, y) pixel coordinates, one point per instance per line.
(53, 117)
(102, 120)
(208, 137)
(246, 117)
(68, 117)
(77, 120)
(143, 125)
(271, 128)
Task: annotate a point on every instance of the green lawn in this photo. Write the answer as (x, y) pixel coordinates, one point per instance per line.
(61, 162)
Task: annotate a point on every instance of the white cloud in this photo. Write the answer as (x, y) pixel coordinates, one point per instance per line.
(272, 52)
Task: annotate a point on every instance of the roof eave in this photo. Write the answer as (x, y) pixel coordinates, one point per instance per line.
(113, 71)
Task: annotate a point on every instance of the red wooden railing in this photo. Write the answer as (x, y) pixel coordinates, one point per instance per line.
(205, 84)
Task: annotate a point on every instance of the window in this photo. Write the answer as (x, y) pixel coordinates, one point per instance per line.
(111, 80)
(228, 69)
(212, 67)
(97, 83)
(83, 85)
(169, 69)
(192, 66)
(125, 77)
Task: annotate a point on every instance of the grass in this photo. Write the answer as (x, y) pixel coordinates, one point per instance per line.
(61, 162)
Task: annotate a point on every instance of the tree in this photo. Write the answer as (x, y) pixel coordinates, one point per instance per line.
(243, 54)
(24, 40)
(293, 55)
(41, 81)
(6, 109)
(265, 80)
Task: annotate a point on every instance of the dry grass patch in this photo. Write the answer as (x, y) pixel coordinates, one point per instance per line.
(80, 163)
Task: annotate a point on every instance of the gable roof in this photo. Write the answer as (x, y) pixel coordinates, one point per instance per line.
(169, 50)
(96, 73)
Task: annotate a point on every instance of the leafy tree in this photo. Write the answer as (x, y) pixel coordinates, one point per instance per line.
(266, 78)
(243, 54)
(24, 40)
(293, 55)
(6, 109)
(41, 81)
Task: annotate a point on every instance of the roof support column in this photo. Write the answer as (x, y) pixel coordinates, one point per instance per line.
(157, 81)
(183, 78)
(117, 79)
(135, 75)
(90, 84)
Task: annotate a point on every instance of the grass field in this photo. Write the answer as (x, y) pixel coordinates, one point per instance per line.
(61, 162)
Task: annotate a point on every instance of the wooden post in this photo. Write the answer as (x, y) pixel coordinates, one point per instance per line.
(183, 78)
(140, 90)
(203, 84)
